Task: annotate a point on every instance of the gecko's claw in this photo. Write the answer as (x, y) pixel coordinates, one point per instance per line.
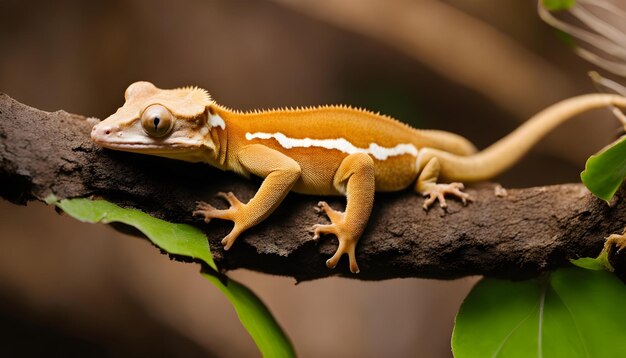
(439, 191)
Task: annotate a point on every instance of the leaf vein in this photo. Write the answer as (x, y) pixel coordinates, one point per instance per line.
(578, 332)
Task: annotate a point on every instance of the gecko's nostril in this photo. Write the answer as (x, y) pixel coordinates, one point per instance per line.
(107, 130)
(100, 132)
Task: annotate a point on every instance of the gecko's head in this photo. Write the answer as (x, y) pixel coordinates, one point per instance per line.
(168, 123)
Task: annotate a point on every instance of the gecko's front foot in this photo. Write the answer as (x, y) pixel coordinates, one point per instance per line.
(439, 191)
(617, 240)
(344, 232)
(234, 213)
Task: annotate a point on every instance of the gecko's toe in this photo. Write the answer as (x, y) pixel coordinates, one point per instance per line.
(321, 229)
(230, 198)
(322, 207)
(229, 240)
(345, 247)
(202, 206)
(208, 212)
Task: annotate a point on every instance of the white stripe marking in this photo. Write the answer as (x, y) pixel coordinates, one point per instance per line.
(216, 121)
(378, 152)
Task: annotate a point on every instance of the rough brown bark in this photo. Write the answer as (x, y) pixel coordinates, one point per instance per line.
(518, 235)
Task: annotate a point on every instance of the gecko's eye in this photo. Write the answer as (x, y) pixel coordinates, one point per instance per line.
(157, 120)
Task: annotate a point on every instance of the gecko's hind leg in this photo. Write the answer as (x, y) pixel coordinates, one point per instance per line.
(427, 185)
(356, 176)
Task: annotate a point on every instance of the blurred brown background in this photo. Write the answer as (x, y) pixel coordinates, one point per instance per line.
(477, 68)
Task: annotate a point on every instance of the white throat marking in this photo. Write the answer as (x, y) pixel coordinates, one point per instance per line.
(216, 121)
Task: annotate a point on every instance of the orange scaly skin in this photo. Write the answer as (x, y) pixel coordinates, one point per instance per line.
(328, 150)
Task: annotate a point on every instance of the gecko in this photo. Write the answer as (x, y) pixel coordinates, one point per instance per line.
(332, 150)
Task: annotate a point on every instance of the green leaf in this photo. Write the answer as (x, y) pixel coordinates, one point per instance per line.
(186, 240)
(571, 313)
(605, 171)
(589, 263)
(599, 263)
(257, 319)
(555, 5)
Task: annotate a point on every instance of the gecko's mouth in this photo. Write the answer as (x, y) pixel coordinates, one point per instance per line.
(146, 147)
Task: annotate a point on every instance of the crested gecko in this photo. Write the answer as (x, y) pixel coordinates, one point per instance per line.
(326, 150)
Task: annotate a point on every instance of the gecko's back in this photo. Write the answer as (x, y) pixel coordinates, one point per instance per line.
(320, 138)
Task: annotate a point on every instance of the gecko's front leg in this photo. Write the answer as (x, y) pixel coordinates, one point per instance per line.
(280, 173)
(617, 240)
(355, 177)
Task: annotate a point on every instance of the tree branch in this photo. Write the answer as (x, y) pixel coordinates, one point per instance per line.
(517, 235)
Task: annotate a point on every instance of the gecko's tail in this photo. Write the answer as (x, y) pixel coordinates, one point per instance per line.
(507, 151)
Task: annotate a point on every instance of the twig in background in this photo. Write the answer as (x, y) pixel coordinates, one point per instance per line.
(457, 46)
(605, 43)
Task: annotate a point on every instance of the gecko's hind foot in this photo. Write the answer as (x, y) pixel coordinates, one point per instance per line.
(339, 228)
(439, 191)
